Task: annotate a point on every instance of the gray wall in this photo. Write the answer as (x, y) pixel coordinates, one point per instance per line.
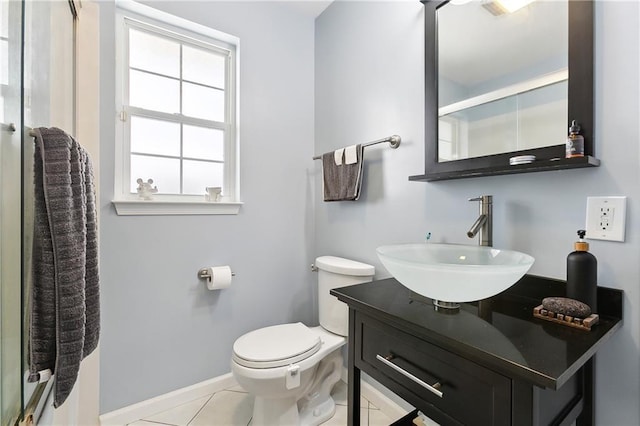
(161, 329)
(369, 84)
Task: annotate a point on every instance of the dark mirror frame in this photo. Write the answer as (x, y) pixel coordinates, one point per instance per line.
(580, 105)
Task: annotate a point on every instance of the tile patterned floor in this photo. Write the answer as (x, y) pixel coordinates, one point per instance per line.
(233, 407)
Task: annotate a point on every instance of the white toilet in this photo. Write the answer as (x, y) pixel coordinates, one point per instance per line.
(290, 369)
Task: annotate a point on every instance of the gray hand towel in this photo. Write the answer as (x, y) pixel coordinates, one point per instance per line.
(342, 182)
(65, 310)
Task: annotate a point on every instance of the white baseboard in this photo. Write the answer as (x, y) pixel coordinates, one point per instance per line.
(152, 406)
(149, 407)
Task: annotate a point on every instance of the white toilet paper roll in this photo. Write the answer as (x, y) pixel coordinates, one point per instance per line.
(220, 277)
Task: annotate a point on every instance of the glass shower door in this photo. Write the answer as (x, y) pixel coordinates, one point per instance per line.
(11, 402)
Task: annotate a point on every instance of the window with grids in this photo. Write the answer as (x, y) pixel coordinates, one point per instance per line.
(178, 113)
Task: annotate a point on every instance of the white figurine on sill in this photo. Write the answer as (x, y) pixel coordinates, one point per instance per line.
(145, 190)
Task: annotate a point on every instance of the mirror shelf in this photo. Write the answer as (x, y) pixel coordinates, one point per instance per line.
(506, 169)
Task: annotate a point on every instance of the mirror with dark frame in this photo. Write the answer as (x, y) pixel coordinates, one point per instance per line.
(503, 83)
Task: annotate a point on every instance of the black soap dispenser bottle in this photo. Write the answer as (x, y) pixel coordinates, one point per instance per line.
(582, 274)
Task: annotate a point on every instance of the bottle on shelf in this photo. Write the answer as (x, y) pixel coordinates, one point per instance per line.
(575, 142)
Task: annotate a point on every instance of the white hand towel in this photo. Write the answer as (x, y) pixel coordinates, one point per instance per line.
(350, 155)
(337, 156)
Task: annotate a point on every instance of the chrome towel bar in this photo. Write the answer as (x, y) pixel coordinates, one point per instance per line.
(394, 142)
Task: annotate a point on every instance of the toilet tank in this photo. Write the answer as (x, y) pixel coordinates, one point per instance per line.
(336, 272)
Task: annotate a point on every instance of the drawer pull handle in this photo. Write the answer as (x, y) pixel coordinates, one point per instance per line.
(435, 388)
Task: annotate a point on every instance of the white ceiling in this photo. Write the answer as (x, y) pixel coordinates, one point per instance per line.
(311, 8)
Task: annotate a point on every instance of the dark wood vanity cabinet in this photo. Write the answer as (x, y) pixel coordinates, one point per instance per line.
(484, 365)
(470, 394)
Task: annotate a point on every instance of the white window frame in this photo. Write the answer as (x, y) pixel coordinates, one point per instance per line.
(133, 15)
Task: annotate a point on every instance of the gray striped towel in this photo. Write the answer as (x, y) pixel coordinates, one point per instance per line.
(65, 310)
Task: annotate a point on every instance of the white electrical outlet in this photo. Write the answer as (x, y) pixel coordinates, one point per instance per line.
(606, 217)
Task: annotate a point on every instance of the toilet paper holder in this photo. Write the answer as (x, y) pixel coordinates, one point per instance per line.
(203, 273)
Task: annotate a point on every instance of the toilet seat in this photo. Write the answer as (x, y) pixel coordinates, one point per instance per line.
(276, 346)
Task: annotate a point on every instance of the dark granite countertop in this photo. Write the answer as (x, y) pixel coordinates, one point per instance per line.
(499, 333)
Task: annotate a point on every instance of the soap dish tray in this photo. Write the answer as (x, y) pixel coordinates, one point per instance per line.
(581, 323)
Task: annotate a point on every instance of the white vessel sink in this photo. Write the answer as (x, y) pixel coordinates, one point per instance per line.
(453, 272)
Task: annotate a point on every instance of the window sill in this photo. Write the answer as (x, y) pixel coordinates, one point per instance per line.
(173, 208)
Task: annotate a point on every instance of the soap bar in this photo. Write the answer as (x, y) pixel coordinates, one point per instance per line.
(566, 306)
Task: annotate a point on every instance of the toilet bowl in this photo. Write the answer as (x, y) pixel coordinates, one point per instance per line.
(291, 369)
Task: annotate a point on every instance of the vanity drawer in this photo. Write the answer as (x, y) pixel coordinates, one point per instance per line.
(446, 387)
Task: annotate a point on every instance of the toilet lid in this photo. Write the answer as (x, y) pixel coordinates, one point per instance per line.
(276, 346)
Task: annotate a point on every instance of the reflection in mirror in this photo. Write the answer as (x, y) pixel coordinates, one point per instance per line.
(502, 77)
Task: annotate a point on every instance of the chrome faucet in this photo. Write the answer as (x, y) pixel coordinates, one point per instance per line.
(484, 223)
